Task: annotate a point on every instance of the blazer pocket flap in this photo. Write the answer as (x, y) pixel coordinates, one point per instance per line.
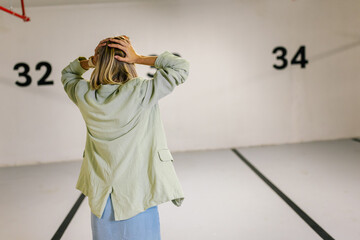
(165, 155)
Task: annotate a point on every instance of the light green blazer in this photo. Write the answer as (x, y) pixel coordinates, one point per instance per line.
(126, 152)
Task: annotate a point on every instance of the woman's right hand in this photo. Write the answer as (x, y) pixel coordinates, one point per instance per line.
(125, 45)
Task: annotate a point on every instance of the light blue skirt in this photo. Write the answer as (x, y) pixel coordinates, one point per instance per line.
(143, 226)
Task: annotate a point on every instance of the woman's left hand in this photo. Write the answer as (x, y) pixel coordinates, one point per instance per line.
(101, 43)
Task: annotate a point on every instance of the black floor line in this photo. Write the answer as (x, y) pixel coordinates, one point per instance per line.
(301, 213)
(68, 218)
(356, 139)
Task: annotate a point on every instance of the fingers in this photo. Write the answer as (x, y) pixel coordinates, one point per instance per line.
(117, 57)
(123, 43)
(117, 46)
(126, 37)
(98, 46)
(120, 41)
(104, 40)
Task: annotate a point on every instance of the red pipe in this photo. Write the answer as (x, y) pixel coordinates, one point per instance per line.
(23, 7)
(23, 17)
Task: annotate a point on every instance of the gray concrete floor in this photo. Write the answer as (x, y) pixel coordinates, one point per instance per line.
(224, 198)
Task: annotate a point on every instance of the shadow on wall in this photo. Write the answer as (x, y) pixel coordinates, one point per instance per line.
(334, 51)
(8, 83)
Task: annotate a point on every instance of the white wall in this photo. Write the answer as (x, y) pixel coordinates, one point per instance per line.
(233, 96)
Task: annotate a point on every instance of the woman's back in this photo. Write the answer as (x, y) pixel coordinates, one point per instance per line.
(126, 152)
(112, 110)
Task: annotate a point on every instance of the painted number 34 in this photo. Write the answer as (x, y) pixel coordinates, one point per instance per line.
(299, 57)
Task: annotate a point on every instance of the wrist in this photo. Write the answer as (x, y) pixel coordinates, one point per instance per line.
(84, 64)
(139, 59)
(91, 62)
(146, 60)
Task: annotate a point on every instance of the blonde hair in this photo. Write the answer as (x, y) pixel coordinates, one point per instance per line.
(109, 70)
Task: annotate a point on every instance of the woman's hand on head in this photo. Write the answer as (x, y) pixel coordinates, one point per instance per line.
(96, 54)
(125, 45)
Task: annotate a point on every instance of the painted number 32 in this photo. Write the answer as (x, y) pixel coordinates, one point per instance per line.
(25, 74)
(299, 57)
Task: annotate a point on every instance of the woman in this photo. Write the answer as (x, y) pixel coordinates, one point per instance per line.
(127, 168)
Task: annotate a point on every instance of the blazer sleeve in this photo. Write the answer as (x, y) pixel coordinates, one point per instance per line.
(70, 76)
(171, 72)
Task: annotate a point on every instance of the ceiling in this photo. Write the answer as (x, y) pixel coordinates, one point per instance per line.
(37, 3)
